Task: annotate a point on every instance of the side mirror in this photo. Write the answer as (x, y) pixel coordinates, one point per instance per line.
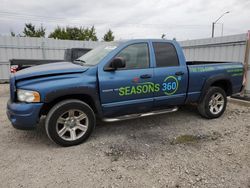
(117, 62)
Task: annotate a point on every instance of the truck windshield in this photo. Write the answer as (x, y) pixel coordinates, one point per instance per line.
(94, 56)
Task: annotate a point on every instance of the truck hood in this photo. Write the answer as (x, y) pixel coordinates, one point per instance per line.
(50, 69)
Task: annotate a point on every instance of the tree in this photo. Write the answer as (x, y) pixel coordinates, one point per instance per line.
(59, 33)
(74, 33)
(90, 34)
(109, 36)
(31, 31)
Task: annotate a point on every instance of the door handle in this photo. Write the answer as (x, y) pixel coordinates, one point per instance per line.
(145, 76)
(179, 73)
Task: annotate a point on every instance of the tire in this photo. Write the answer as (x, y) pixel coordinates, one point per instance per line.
(207, 107)
(70, 122)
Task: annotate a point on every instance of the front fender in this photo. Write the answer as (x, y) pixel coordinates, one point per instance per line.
(53, 87)
(91, 91)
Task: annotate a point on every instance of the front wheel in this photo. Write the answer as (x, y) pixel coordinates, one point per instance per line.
(70, 122)
(213, 103)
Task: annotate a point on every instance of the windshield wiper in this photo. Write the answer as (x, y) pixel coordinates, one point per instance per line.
(79, 61)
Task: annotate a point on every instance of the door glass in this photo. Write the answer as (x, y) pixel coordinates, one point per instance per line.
(136, 56)
(165, 54)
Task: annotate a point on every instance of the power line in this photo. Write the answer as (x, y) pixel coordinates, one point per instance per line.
(40, 18)
(29, 15)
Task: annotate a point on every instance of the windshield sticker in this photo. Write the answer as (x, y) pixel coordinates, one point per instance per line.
(110, 47)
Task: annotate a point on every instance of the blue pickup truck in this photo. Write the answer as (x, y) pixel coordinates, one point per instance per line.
(117, 81)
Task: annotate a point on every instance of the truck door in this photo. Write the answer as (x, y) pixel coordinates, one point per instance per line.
(128, 90)
(170, 73)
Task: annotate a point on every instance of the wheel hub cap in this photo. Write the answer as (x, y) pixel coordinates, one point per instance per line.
(216, 103)
(72, 125)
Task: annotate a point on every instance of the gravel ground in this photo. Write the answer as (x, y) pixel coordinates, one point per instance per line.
(173, 150)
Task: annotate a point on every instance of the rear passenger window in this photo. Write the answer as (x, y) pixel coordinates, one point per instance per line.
(165, 54)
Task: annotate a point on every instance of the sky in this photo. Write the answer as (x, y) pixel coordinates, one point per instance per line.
(130, 19)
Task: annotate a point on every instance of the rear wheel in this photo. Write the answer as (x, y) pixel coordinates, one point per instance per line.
(70, 122)
(213, 103)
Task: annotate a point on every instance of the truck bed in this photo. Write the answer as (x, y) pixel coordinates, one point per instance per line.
(208, 69)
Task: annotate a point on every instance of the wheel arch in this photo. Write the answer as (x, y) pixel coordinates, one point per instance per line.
(90, 97)
(225, 84)
(223, 81)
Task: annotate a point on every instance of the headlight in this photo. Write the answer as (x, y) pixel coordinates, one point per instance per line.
(28, 96)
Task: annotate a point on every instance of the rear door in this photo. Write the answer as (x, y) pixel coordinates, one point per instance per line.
(130, 89)
(170, 73)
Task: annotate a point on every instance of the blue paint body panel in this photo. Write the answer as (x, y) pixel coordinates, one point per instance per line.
(119, 92)
(22, 115)
(223, 70)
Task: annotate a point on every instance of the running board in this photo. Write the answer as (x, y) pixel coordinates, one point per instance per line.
(133, 116)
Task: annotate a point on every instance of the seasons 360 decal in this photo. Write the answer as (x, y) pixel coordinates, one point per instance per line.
(169, 86)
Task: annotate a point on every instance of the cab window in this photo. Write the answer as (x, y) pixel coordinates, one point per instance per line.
(165, 54)
(136, 56)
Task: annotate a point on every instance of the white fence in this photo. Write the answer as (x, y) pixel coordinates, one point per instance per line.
(228, 48)
(34, 48)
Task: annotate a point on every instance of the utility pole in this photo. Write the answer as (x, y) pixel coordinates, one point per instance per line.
(213, 24)
(213, 30)
(222, 29)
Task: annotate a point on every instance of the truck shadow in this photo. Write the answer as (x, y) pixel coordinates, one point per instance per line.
(188, 112)
(147, 129)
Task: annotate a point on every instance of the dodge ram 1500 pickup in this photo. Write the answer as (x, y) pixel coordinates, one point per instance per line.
(117, 81)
